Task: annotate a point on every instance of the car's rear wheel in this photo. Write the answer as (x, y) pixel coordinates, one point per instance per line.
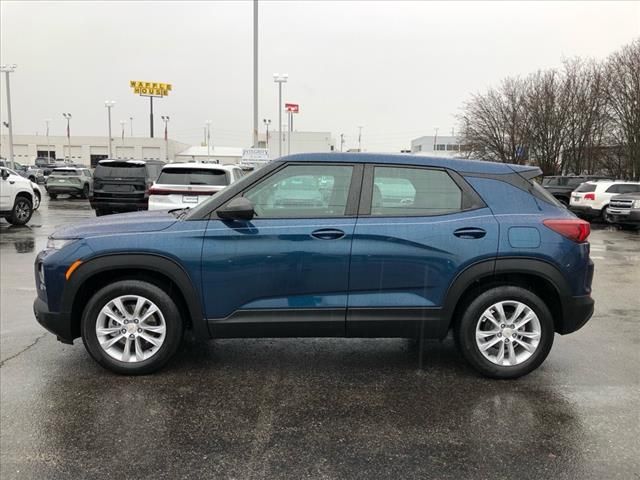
(85, 191)
(131, 327)
(505, 332)
(21, 211)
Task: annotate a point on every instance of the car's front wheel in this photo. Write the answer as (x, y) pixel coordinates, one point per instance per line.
(131, 327)
(21, 211)
(505, 332)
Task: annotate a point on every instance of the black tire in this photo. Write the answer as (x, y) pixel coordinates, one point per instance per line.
(171, 314)
(21, 212)
(465, 331)
(85, 191)
(53, 196)
(32, 179)
(39, 202)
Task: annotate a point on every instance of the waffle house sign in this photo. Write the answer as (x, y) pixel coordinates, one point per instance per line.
(151, 89)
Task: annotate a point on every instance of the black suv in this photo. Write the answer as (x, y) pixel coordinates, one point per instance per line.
(561, 186)
(123, 185)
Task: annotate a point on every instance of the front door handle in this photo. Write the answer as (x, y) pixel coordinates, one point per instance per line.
(470, 232)
(327, 234)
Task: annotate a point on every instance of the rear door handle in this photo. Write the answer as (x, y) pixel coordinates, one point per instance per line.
(327, 234)
(470, 232)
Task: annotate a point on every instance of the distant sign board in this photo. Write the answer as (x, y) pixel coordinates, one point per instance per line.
(155, 89)
(292, 107)
(254, 157)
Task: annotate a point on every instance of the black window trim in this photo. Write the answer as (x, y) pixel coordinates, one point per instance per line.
(470, 198)
(353, 197)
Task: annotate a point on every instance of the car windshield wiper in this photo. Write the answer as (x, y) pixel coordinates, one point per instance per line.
(179, 212)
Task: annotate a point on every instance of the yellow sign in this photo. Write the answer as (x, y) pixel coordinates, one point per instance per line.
(150, 88)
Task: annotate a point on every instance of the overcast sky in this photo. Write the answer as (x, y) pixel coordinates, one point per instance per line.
(398, 69)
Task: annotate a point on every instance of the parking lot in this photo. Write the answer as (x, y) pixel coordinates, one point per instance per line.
(319, 408)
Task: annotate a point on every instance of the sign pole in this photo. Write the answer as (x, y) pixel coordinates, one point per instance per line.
(151, 116)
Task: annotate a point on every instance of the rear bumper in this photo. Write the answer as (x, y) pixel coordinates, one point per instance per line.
(583, 211)
(57, 323)
(576, 311)
(63, 189)
(120, 205)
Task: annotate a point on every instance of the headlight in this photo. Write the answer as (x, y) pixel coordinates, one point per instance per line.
(635, 204)
(58, 243)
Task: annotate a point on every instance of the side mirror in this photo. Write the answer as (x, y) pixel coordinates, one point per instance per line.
(5, 174)
(237, 209)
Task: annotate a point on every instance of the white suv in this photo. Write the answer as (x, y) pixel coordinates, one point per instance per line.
(183, 185)
(591, 199)
(16, 197)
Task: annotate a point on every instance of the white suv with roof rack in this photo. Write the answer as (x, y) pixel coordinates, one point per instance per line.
(182, 185)
(591, 199)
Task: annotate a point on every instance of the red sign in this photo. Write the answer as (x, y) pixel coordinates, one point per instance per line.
(292, 107)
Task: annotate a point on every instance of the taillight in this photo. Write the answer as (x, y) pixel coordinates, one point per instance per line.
(572, 228)
(590, 196)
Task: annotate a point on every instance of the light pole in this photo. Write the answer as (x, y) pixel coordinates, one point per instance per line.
(131, 126)
(7, 69)
(255, 73)
(68, 117)
(48, 144)
(165, 119)
(122, 124)
(208, 127)
(360, 139)
(109, 104)
(280, 79)
(267, 122)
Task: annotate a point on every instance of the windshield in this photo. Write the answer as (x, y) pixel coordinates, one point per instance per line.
(586, 187)
(120, 170)
(193, 176)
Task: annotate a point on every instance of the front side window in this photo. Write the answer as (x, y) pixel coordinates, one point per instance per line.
(414, 191)
(302, 191)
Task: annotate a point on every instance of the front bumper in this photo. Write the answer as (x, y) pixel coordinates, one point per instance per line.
(57, 323)
(630, 217)
(576, 311)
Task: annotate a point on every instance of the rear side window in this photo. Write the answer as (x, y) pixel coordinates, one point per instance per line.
(414, 191)
(193, 176)
(586, 187)
(120, 170)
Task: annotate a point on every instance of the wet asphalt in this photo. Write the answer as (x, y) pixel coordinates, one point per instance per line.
(319, 408)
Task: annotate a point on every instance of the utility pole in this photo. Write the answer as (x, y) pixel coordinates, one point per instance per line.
(122, 124)
(341, 141)
(131, 126)
(267, 122)
(290, 127)
(435, 139)
(359, 138)
(7, 69)
(109, 104)
(255, 73)
(68, 117)
(280, 79)
(208, 127)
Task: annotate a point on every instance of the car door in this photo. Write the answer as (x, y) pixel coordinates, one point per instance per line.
(417, 229)
(5, 191)
(285, 272)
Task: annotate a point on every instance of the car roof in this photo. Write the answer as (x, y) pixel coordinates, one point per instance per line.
(210, 166)
(457, 164)
(608, 183)
(107, 161)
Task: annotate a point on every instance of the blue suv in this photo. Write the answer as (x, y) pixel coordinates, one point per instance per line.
(330, 245)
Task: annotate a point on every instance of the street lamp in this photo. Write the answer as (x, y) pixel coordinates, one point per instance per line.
(68, 117)
(208, 127)
(109, 104)
(122, 124)
(165, 119)
(267, 122)
(7, 69)
(280, 78)
(131, 126)
(48, 144)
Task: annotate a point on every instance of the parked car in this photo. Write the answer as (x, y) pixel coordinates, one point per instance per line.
(561, 186)
(16, 197)
(624, 209)
(37, 193)
(32, 173)
(473, 247)
(123, 185)
(187, 184)
(590, 200)
(70, 180)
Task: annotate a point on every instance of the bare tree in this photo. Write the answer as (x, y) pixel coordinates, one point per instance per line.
(493, 125)
(622, 95)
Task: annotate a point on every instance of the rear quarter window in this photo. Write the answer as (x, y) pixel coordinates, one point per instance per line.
(586, 187)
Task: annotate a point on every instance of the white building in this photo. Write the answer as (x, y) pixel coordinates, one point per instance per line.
(301, 142)
(437, 146)
(87, 150)
(221, 155)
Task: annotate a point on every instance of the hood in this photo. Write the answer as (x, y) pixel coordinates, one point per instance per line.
(627, 196)
(153, 221)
